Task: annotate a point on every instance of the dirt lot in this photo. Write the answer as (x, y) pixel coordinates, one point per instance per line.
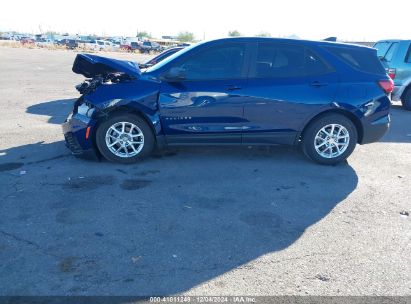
(199, 221)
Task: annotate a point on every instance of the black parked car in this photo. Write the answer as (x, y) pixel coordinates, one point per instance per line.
(69, 43)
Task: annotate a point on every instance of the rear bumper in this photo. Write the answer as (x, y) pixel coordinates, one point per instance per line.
(376, 129)
(74, 130)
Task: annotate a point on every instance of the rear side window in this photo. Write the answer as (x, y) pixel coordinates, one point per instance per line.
(359, 58)
(408, 57)
(382, 48)
(391, 51)
(315, 65)
(276, 60)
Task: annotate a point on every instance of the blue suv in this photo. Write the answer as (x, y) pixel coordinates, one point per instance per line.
(395, 56)
(324, 96)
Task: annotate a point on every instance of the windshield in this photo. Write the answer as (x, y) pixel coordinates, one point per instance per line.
(171, 58)
(163, 56)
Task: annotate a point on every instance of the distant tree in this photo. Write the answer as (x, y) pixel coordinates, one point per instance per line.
(185, 37)
(143, 34)
(234, 33)
(263, 34)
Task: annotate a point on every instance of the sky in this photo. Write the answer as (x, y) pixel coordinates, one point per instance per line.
(350, 20)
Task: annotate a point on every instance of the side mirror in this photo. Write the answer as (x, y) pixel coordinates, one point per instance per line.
(175, 74)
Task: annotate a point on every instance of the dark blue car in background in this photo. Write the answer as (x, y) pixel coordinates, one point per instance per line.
(324, 96)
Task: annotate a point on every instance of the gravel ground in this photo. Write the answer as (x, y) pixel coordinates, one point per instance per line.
(193, 221)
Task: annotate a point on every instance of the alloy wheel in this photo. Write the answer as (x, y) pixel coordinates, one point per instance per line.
(332, 140)
(124, 139)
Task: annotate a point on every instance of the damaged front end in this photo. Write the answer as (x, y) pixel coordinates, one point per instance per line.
(77, 129)
(111, 85)
(91, 66)
(99, 71)
(89, 85)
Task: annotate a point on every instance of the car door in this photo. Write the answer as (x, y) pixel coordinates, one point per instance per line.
(287, 83)
(206, 106)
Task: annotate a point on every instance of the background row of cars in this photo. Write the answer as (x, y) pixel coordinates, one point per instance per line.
(109, 44)
(97, 45)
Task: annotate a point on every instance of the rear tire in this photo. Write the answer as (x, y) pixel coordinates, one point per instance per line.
(125, 138)
(330, 139)
(406, 101)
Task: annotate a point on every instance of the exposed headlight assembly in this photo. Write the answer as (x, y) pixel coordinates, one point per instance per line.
(85, 109)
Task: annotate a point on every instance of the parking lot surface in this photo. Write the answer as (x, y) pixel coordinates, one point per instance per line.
(193, 221)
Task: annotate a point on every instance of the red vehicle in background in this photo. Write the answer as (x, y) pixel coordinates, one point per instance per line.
(125, 47)
(27, 41)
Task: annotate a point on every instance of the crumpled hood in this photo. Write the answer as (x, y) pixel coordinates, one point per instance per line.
(91, 66)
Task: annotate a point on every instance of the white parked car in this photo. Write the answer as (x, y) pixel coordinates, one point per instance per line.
(44, 42)
(100, 45)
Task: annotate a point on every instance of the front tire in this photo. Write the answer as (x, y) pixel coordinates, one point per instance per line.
(330, 139)
(406, 101)
(124, 138)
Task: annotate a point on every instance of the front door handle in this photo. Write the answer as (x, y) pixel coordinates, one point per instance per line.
(318, 84)
(232, 88)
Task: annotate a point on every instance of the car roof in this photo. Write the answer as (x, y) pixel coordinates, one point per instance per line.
(286, 40)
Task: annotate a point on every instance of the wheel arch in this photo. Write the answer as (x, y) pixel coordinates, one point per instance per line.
(354, 119)
(124, 109)
(404, 93)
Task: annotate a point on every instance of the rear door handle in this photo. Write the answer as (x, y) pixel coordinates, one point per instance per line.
(318, 84)
(232, 88)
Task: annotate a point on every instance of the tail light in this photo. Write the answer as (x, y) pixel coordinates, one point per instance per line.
(391, 73)
(387, 85)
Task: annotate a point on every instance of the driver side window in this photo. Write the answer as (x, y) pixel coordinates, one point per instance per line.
(221, 62)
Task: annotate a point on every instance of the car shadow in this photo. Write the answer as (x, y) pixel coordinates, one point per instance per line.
(57, 110)
(159, 227)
